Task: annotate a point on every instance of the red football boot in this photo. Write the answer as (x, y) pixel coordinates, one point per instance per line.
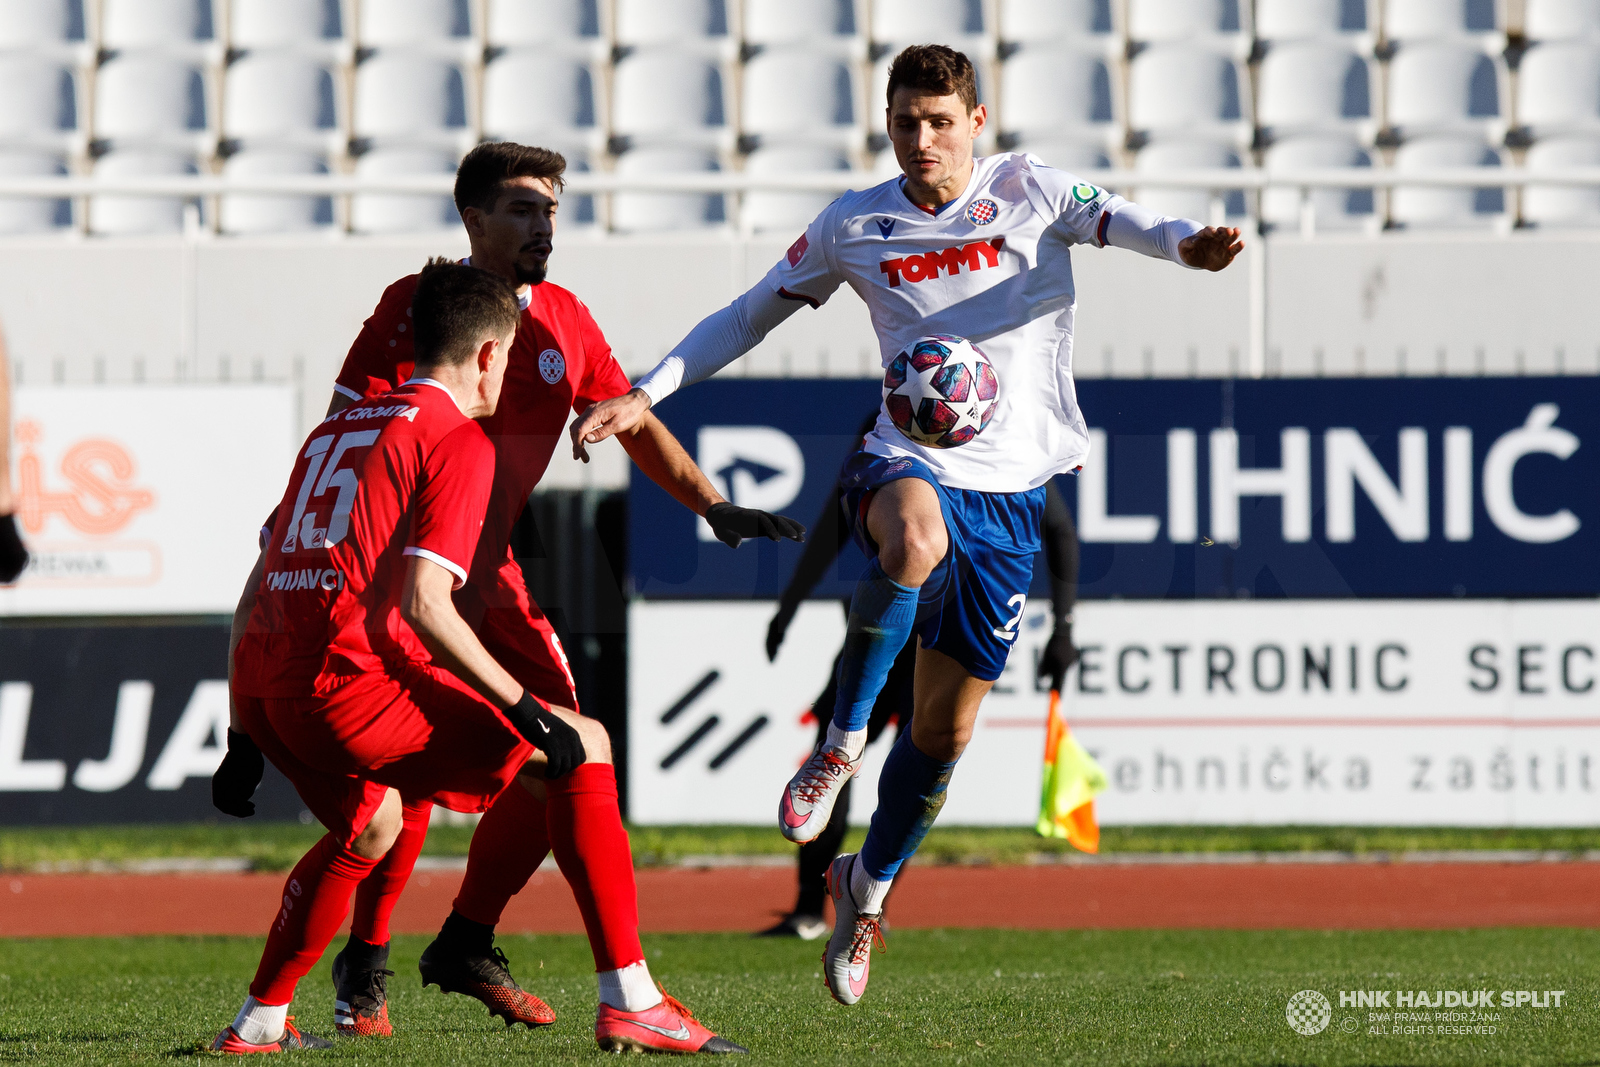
(667, 1027)
(486, 978)
(292, 1040)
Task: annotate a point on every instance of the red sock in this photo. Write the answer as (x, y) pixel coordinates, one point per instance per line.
(315, 900)
(507, 847)
(379, 892)
(592, 849)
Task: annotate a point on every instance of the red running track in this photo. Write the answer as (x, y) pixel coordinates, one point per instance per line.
(1358, 896)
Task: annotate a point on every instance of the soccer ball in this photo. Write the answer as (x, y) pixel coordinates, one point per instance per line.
(941, 392)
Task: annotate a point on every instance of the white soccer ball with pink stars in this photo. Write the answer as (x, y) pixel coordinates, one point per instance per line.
(941, 391)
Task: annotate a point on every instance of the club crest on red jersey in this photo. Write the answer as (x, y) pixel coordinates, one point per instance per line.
(552, 365)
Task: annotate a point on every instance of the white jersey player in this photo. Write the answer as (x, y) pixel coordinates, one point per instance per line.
(969, 248)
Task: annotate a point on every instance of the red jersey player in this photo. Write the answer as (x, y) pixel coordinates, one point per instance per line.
(559, 363)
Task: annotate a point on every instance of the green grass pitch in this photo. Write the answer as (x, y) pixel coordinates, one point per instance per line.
(937, 997)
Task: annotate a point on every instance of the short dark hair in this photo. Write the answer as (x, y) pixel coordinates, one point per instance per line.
(487, 168)
(937, 69)
(455, 307)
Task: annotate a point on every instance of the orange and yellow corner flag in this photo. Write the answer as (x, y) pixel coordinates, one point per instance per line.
(1071, 780)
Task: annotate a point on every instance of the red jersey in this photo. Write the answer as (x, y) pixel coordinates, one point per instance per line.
(559, 363)
(406, 474)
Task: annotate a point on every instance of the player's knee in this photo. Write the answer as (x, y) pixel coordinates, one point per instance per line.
(596, 742)
(911, 557)
(381, 830)
(944, 744)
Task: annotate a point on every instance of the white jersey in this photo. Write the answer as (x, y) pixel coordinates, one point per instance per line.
(992, 266)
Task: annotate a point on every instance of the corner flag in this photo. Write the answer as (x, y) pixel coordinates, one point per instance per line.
(1071, 779)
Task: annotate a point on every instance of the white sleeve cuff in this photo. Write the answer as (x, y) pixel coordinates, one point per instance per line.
(351, 393)
(434, 557)
(663, 381)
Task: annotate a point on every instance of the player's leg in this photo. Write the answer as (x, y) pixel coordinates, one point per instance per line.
(904, 521)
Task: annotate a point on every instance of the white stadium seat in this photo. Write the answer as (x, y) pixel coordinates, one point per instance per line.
(1437, 87)
(17, 215)
(150, 97)
(155, 23)
(1048, 91)
(813, 22)
(1332, 209)
(1317, 85)
(1078, 21)
(40, 23)
(407, 97)
(1222, 24)
(1304, 20)
(1189, 91)
(536, 96)
(790, 212)
(401, 212)
(675, 22)
(564, 24)
(415, 23)
(253, 213)
(279, 97)
(647, 212)
(1431, 207)
(1184, 154)
(1562, 205)
(118, 215)
(1074, 156)
(922, 21)
(1558, 88)
(667, 95)
(41, 101)
(284, 23)
(798, 94)
(1416, 20)
(1554, 20)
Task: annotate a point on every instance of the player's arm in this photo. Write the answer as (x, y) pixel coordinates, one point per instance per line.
(239, 773)
(1182, 241)
(1061, 557)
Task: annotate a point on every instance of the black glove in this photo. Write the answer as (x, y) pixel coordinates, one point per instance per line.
(1059, 655)
(545, 731)
(13, 556)
(732, 524)
(778, 627)
(236, 779)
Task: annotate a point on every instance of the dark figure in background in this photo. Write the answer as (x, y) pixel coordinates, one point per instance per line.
(894, 704)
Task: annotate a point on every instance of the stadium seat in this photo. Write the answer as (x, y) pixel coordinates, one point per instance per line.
(150, 98)
(673, 22)
(1305, 20)
(668, 96)
(1553, 206)
(1332, 209)
(957, 23)
(41, 99)
(1194, 204)
(537, 96)
(284, 23)
(248, 213)
(1189, 91)
(567, 25)
(1418, 20)
(155, 23)
(798, 94)
(119, 215)
(1432, 207)
(41, 24)
(1074, 156)
(1048, 91)
(280, 98)
(643, 212)
(1442, 87)
(411, 98)
(403, 212)
(1220, 24)
(817, 23)
(791, 212)
(1317, 85)
(19, 216)
(1554, 20)
(414, 23)
(1558, 88)
(1075, 21)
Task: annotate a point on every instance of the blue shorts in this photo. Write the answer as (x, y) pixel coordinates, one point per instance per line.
(971, 605)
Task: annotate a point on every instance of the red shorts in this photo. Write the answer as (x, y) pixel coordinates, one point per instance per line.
(518, 636)
(425, 734)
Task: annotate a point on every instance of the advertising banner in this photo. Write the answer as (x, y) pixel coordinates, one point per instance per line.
(1470, 713)
(1282, 488)
(144, 500)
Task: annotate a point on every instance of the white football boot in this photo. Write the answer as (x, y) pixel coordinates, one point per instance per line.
(849, 953)
(808, 799)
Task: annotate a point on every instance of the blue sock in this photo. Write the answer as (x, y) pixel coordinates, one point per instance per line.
(881, 614)
(911, 791)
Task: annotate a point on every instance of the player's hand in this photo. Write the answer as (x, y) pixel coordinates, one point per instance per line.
(1058, 656)
(778, 627)
(236, 779)
(607, 419)
(13, 556)
(545, 731)
(1213, 248)
(732, 524)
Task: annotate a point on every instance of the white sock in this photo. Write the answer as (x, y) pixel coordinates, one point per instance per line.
(629, 988)
(258, 1023)
(849, 743)
(869, 893)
